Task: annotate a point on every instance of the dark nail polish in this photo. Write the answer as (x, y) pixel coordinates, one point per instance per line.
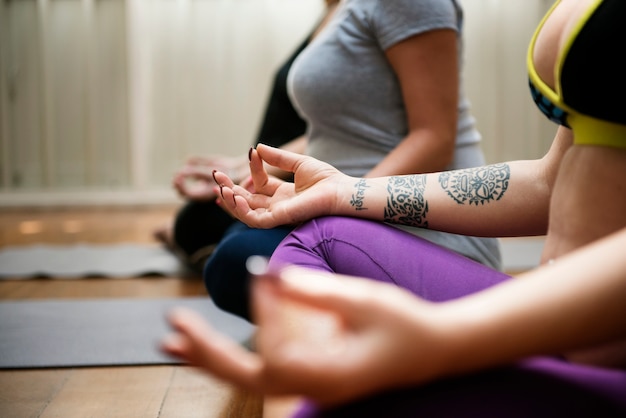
(222, 190)
(213, 173)
(250, 154)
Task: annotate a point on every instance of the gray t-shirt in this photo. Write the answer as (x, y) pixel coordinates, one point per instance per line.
(345, 88)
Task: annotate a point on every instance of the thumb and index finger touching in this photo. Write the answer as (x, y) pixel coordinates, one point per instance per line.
(283, 160)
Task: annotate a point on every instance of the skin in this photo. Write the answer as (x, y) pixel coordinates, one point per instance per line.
(194, 180)
(427, 69)
(367, 326)
(426, 66)
(573, 306)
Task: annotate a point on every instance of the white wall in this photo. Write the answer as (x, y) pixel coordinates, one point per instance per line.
(101, 100)
(497, 34)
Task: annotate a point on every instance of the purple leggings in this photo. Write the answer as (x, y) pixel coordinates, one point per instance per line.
(538, 387)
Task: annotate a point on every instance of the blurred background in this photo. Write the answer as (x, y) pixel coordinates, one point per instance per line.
(102, 100)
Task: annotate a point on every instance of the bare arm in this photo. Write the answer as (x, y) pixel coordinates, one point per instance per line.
(427, 69)
(507, 199)
(573, 304)
(366, 326)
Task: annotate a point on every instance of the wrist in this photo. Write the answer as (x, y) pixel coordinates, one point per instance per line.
(360, 197)
(347, 199)
(439, 342)
(438, 334)
(468, 338)
(419, 338)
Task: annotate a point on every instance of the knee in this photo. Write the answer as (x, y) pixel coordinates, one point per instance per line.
(310, 244)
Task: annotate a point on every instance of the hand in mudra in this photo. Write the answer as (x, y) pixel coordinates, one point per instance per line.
(276, 202)
(327, 337)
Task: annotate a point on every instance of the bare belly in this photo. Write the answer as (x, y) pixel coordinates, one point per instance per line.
(588, 203)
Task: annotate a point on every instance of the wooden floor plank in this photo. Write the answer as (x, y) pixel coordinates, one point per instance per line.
(27, 393)
(103, 392)
(70, 226)
(243, 404)
(158, 287)
(195, 394)
(111, 392)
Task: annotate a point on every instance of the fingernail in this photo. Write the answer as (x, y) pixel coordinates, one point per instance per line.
(221, 190)
(213, 173)
(250, 154)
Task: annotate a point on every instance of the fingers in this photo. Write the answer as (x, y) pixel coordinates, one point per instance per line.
(349, 297)
(285, 160)
(232, 194)
(294, 341)
(248, 184)
(222, 179)
(268, 316)
(253, 217)
(225, 182)
(226, 185)
(257, 172)
(258, 177)
(228, 203)
(198, 344)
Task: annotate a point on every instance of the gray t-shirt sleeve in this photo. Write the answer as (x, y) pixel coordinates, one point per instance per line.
(397, 20)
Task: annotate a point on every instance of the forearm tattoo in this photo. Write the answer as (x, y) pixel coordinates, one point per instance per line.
(476, 185)
(359, 195)
(405, 201)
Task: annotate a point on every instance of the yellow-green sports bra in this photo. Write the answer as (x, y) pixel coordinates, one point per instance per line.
(590, 92)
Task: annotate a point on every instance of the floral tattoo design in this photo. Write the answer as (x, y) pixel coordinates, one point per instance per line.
(405, 201)
(476, 185)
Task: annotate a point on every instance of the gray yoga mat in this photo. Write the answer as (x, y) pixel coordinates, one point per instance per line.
(87, 260)
(98, 332)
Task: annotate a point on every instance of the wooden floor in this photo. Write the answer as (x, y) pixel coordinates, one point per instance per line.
(135, 392)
